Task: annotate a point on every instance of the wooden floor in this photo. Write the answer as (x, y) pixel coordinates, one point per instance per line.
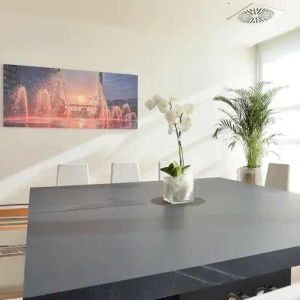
(13, 217)
(11, 296)
(13, 230)
(11, 284)
(12, 212)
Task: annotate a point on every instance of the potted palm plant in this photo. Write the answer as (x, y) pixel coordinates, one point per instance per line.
(178, 185)
(248, 122)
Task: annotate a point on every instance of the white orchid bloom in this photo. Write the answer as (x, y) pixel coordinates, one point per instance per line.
(173, 99)
(186, 123)
(157, 99)
(170, 116)
(163, 105)
(188, 108)
(178, 110)
(150, 104)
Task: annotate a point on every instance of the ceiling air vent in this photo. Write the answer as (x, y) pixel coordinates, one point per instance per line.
(255, 14)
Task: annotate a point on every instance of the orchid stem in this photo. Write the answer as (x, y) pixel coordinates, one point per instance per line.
(180, 149)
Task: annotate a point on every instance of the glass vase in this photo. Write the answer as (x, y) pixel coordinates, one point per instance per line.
(180, 189)
(250, 175)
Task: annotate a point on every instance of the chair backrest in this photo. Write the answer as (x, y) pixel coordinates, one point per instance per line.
(124, 172)
(162, 164)
(72, 174)
(278, 176)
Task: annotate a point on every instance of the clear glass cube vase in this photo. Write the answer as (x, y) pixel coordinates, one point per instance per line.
(180, 189)
(250, 175)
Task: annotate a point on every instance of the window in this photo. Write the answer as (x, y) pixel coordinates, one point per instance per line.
(278, 61)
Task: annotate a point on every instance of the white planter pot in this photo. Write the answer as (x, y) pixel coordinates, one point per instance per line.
(179, 190)
(250, 175)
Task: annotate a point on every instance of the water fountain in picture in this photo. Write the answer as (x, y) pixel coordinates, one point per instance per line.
(43, 104)
(20, 104)
(48, 104)
(116, 117)
(127, 115)
(104, 111)
(98, 114)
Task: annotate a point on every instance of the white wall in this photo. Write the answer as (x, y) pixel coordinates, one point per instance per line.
(195, 68)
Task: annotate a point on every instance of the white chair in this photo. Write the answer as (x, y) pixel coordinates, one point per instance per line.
(278, 176)
(124, 172)
(72, 174)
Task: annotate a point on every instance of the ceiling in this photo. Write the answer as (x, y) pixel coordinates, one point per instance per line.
(199, 19)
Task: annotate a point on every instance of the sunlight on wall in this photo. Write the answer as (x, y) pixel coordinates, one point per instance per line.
(200, 150)
(195, 72)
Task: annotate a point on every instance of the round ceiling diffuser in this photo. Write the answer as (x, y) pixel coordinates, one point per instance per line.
(255, 15)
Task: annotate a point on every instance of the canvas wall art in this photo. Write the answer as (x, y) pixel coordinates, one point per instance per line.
(61, 98)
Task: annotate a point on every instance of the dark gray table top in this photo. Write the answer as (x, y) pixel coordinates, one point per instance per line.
(98, 235)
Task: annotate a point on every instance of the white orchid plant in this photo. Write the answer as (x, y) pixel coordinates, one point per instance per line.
(179, 121)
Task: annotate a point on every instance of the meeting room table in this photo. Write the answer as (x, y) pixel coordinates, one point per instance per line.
(122, 241)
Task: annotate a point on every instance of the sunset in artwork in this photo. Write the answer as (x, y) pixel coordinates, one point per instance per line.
(60, 98)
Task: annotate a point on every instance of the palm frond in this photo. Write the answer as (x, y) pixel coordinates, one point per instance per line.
(217, 132)
(227, 101)
(240, 92)
(271, 93)
(257, 89)
(232, 145)
(248, 120)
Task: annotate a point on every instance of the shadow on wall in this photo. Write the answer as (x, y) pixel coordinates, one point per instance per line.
(44, 172)
(147, 145)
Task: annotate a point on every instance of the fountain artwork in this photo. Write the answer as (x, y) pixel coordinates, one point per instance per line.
(60, 98)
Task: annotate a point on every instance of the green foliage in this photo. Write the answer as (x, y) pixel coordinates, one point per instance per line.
(174, 169)
(248, 119)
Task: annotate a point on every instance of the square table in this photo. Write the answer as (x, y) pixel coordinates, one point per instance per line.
(121, 241)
